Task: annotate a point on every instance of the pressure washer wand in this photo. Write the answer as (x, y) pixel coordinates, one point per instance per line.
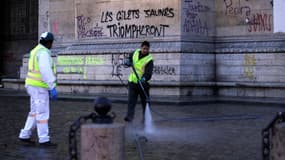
(140, 83)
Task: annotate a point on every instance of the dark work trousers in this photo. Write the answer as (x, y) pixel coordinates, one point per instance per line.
(134, 91)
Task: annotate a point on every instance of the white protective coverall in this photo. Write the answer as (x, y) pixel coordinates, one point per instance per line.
(39, 101)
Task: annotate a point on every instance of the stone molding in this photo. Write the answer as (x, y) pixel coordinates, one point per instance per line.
(251, 44)
(219, 45)
(167, 84)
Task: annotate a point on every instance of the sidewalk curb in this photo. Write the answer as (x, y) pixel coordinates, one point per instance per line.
(157, 100)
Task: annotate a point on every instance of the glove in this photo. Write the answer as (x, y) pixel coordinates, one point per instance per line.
(144, 83)
(53, 94)
(127, 62)
(142, 80)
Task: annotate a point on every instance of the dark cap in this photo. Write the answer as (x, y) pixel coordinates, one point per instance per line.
(47, 36)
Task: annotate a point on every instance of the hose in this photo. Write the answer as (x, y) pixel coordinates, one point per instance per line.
(212, 118)
(139, 147)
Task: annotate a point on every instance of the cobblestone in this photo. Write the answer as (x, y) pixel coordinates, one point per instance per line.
(238, 139)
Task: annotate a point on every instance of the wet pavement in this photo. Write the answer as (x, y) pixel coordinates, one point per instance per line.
(213, 131)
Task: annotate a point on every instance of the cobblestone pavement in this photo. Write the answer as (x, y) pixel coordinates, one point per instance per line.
(195, 139)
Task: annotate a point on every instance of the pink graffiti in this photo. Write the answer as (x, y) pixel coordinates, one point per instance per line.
(55, 27)
(260, 23)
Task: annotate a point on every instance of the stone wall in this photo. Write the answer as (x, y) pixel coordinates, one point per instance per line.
(96, 37)
(243, 17)
(84, 20)
(250, 58)
(200, 47)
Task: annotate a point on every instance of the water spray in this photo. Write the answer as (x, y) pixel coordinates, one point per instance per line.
(148, 119)
(149, 128)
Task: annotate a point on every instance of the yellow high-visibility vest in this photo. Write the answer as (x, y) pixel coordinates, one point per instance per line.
(34, 77)
(139, 65)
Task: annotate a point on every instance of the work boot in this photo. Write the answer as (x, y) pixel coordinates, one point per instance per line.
(27, 141)
(48, 144)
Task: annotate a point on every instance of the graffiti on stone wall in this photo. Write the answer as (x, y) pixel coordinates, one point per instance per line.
(261, 22)
(249, 66)
(162, 12)
(164, 70)
(55, 27)
(193, 23)
(70, 60)
(123, 29)
(73, 70)
(85, 30)
(78, 64)
(118, 66)
(122, 15)
(237, 9)
(256, 22)
(117, 63)
(136, 31)
(124, 24)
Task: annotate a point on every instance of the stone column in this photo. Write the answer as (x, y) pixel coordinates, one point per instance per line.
(102, 142)
(278, 142)
(44, 16)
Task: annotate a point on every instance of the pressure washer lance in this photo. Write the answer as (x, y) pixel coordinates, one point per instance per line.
(148, 99)
(137, 137)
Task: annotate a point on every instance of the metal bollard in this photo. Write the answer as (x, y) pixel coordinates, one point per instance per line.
(101, 139)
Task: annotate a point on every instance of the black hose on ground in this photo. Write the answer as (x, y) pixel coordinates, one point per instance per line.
(138, 140)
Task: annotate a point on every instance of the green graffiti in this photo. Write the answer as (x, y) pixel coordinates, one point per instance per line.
(80, 60)
(66, 70)
(85, 73)
(93, 60)
(70, 60)
(73, 70)
(78, 64)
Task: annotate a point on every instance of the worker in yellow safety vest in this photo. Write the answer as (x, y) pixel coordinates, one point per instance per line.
(142, 62)
(41, 86)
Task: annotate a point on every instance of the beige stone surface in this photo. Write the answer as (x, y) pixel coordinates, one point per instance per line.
(243, 17)
(192, 41)
(101, 20)
(278, 143)
(102, 142)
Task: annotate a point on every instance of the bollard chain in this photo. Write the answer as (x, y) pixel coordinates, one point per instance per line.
(279, 118)
(72, 134)
(102, 107)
